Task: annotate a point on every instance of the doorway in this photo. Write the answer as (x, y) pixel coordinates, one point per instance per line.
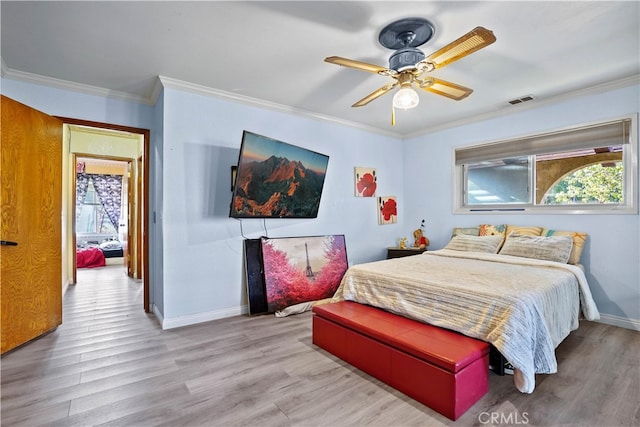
(102, 215)
(97, 150)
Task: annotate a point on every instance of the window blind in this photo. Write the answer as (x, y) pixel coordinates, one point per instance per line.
(600, 135)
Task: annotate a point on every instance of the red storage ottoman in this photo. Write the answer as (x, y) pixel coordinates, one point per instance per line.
(442, 369)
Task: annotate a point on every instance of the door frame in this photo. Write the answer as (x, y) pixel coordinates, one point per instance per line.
(145, 193)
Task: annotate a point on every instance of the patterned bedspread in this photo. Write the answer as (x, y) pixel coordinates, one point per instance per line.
(524, 307)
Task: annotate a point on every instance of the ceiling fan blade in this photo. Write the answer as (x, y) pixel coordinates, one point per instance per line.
(351, 63)
(375, 94)
(474, 40)
(444, 88)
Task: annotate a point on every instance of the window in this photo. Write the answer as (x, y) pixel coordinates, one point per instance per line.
(586, 169)
(91, 215)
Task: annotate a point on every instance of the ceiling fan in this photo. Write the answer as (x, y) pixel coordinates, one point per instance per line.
(408, 64)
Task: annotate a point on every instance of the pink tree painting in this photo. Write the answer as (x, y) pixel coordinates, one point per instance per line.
(301, 269)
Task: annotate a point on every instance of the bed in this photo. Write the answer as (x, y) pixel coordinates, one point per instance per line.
(523, 306)
(112, 249)
(92, 254)
(89, 257)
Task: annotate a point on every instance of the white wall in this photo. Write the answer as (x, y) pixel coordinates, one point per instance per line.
(612, 253)
(203, 247)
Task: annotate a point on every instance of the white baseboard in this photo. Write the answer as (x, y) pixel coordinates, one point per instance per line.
(177, 322)
(193, 319)
(156, 312)
(622, 322)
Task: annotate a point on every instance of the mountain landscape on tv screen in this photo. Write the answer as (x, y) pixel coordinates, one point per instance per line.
(277, 187)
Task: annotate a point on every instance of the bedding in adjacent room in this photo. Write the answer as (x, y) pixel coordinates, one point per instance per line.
(90, 257)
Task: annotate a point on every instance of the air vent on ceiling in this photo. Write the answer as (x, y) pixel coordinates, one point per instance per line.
(520, 100)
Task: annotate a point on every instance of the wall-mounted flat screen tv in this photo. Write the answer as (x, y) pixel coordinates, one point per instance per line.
(277, 180)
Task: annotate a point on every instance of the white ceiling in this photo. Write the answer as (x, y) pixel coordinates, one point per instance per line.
(272, 53)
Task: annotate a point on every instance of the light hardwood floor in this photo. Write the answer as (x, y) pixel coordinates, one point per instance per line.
(111, 364)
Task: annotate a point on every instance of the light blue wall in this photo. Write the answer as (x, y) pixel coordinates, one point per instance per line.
(202, 256)
(66, 103)
(612, 253)
(196, 250)
(156, 283)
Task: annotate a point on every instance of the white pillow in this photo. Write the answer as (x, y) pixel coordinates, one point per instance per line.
(467, 243)
(552, 248)
(111, 244)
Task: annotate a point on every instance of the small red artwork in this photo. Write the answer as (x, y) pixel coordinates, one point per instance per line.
(387, 210)
(366, 182)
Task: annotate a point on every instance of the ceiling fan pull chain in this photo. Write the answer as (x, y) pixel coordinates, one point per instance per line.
(393, 115)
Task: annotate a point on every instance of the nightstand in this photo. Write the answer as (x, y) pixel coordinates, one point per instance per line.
(396, 252)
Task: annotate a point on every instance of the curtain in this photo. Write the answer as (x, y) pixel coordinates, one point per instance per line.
(82, 183)
(600, 135)
(109, 191)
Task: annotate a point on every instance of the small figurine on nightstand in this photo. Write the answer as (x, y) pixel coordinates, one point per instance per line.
(402, 243)
(420, 240)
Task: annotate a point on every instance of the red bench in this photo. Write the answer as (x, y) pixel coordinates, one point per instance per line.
(444, 370)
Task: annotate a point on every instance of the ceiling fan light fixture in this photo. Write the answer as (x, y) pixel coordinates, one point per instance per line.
(406, 98)
(408, 64)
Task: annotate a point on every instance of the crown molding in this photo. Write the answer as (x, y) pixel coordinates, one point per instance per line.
(536, 103)
(72, 86)
(164, 81)
(230, 96)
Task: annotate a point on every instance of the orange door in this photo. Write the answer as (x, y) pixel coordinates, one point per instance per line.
(31, 224)
(138, 218)
(124, 226)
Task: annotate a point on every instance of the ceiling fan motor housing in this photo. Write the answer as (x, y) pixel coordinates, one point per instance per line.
(406, 58)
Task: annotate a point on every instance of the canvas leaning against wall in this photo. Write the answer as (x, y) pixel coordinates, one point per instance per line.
(301, 269)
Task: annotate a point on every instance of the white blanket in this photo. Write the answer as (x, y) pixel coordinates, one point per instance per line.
(524, 307)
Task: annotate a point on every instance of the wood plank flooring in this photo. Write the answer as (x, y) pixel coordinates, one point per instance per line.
(111, 364)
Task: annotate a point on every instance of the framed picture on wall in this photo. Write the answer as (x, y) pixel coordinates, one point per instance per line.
(387, 210)
(274, 179)
(365, 182)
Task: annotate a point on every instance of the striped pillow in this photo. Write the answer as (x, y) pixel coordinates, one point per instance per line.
(554, 248)
(579, 240)
(528, 230)
(463, 242)
(471, 231)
